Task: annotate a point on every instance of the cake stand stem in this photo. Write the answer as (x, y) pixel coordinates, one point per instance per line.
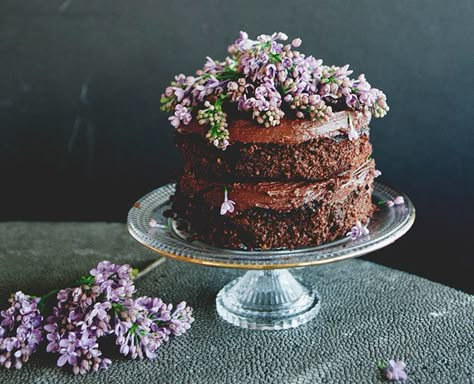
(267, 300)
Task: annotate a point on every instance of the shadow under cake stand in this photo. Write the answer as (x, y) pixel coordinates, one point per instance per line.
(268, 296)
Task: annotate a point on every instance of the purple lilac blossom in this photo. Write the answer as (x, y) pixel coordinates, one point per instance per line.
(21, 330)
(396, 370)
(153, 223)
(144, 324)
(114, 280)
(357, 231)
(104, 306)
(83, 314)
(73, 329)
(398, 200)
(227, 205)
(267, 79)
(181, 319)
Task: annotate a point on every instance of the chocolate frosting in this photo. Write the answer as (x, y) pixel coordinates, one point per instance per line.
(275, 195)
(288, 131)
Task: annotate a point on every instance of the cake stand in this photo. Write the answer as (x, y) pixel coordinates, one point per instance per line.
(268, 296)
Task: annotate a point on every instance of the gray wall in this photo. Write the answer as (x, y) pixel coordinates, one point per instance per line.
(64, 156)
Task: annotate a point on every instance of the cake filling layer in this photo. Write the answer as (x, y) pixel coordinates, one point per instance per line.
(288, 131)
(316, 159)
(274, 195)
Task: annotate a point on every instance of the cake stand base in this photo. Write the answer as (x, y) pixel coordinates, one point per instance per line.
(268, 297)
(267, 300)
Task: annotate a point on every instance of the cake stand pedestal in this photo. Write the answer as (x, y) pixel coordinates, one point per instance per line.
(269, 299)
(268, 296)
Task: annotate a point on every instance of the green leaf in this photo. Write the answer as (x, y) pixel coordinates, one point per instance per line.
(117, 307)
(275, 58)
(135, 272)
(86, 280)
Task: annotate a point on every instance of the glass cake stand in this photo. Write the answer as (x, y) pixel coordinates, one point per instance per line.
(268, 296)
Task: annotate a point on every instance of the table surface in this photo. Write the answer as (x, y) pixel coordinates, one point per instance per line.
(368, 313)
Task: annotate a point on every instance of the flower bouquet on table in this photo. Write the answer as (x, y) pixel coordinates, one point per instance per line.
(101, 305)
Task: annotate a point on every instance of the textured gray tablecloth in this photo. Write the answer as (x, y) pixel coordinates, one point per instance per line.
(368, 313)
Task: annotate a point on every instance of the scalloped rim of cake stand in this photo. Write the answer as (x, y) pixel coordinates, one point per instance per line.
(387, 225)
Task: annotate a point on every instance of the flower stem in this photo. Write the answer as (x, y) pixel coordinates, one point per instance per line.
(42, 302)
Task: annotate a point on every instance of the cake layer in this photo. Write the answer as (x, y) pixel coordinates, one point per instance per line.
(316, 159)
(276, 214)
(289, 131)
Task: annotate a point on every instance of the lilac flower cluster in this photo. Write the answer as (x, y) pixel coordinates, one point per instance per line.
(144, 324)
(103, 306)
(20, 331)
(100, 306)
(267, 79)
(73, 329)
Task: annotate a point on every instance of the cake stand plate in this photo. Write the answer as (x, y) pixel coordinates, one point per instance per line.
(267, 297)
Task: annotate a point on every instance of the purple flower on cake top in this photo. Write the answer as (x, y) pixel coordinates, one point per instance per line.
(227, 205)
(268, 80)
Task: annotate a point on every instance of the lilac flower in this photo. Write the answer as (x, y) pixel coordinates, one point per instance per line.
(21, 330)
(352, 134)
(181, 113)
(213, 115)
(396, 370)
(265, 78)
(100, 306)
(224, 144)
(181, 319)
(82, 353)
(144, 324)
(296, 42)
(97, 319)
(153, 223)
(114, 280)
(227, 205)
(80, 318)
(351, 100)
(357, 231)
(69, 314)
(398, 200)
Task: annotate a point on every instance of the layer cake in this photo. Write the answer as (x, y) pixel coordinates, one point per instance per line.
(270, 163)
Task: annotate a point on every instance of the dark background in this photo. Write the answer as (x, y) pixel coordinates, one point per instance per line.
(82, 136)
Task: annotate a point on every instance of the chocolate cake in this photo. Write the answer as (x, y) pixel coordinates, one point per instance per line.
(295, 170)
